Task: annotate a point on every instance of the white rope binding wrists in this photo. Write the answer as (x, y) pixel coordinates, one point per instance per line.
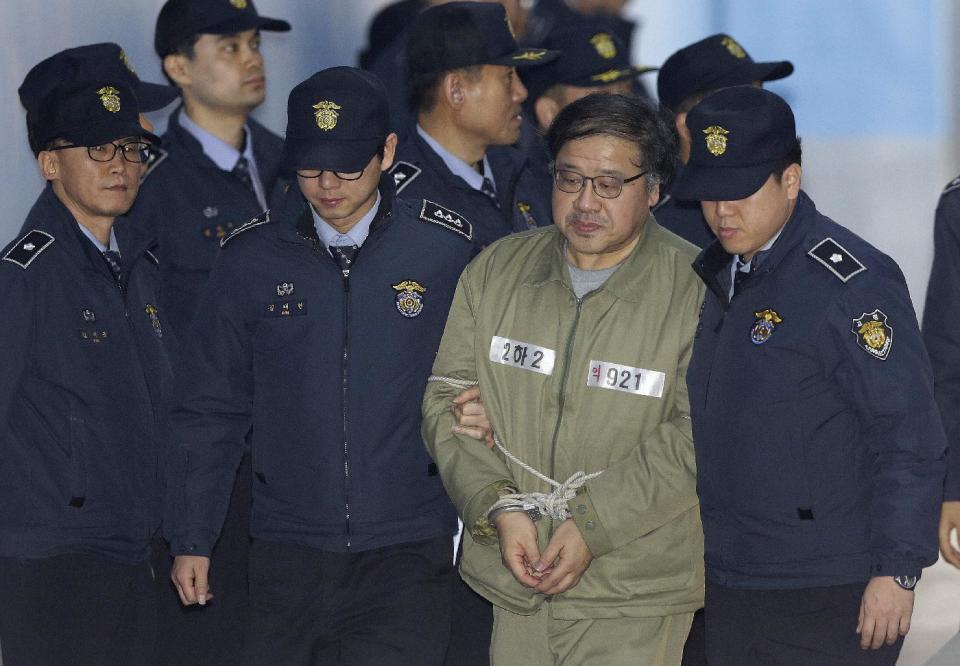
(553, 504)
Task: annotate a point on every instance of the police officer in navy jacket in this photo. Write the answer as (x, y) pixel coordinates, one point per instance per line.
(462, 61)
(318, 328)
(86, 379)
(941, 337)
(820, 453)
(217, 170)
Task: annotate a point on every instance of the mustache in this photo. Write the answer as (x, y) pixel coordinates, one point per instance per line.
(589, 218)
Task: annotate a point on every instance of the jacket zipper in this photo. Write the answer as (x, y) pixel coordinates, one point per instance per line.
(145, 386)
(344, 384)
(565, 373)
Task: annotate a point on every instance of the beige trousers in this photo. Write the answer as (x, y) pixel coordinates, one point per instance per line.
(540, 640)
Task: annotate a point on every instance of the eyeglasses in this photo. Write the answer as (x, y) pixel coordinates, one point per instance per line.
(316, 173)
(605, 187)
(136, 152)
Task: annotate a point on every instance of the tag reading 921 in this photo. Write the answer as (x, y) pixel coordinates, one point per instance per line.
(637, 381)
(523, 355)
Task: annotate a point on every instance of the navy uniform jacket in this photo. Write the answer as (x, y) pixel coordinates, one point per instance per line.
(940, 328)
(523, 195)
(190, 205)
(329, 371)
(684, 218)
(84, 392)
(820, 454)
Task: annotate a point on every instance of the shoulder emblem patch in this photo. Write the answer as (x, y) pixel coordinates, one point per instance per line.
(403, 174)
(836, 259)
(874, 335)
(28, 248)
(431, 212)
(951, 186)
(259, 220)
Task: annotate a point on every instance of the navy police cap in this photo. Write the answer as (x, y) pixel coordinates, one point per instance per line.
(83, 96)
(590, 57)
(179, 19)
(712, 63)
(109, 57)
(464, 34)
(738, 136)
(337, 120)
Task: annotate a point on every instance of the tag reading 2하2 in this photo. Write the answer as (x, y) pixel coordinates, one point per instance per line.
(523, 355)
(637, 381)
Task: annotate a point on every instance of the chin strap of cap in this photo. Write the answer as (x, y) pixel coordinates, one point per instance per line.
(554, 504)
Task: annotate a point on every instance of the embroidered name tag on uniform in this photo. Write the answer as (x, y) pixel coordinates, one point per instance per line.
(286, 309)
(523, 355)
(637, 381)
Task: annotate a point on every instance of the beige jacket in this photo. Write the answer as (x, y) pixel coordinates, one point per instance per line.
(615, 399)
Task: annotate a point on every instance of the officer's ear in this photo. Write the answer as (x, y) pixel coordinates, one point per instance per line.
(49, 162)
(546, 109)
(177, 68)
(452, 92)
(791, 180)
(389, 151)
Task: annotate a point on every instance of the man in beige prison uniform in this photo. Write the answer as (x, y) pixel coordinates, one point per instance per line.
(579, 336)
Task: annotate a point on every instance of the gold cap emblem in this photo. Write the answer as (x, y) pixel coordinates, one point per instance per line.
(733, 47)
(531, 54)
(326, 115)
(604, 45)
(610, 75)
(716, 140)
(239, 4)
(110, 97)
(126, 61)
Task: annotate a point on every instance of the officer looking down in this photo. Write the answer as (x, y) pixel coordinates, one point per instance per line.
(820, 454)
(317, 329)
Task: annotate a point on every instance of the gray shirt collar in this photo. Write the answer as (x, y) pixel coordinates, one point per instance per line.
(457, 166)
(223, 154)
(100, 246)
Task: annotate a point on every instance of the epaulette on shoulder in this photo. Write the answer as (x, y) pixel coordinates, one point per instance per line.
(259, 220)
(835, 258)
(157, 156)
(403, 174)
(951, 186)
(446, 218)
(24, 251)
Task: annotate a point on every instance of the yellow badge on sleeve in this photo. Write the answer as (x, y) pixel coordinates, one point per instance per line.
(874, 335)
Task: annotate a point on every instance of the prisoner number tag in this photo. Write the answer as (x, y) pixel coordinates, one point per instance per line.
(523, 355)
(637, 381)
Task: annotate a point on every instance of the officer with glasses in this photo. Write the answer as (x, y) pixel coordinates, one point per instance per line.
(317, 329)
(578, 336)
(86, 380)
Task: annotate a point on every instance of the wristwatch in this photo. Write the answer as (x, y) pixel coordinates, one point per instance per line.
(906, 582)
